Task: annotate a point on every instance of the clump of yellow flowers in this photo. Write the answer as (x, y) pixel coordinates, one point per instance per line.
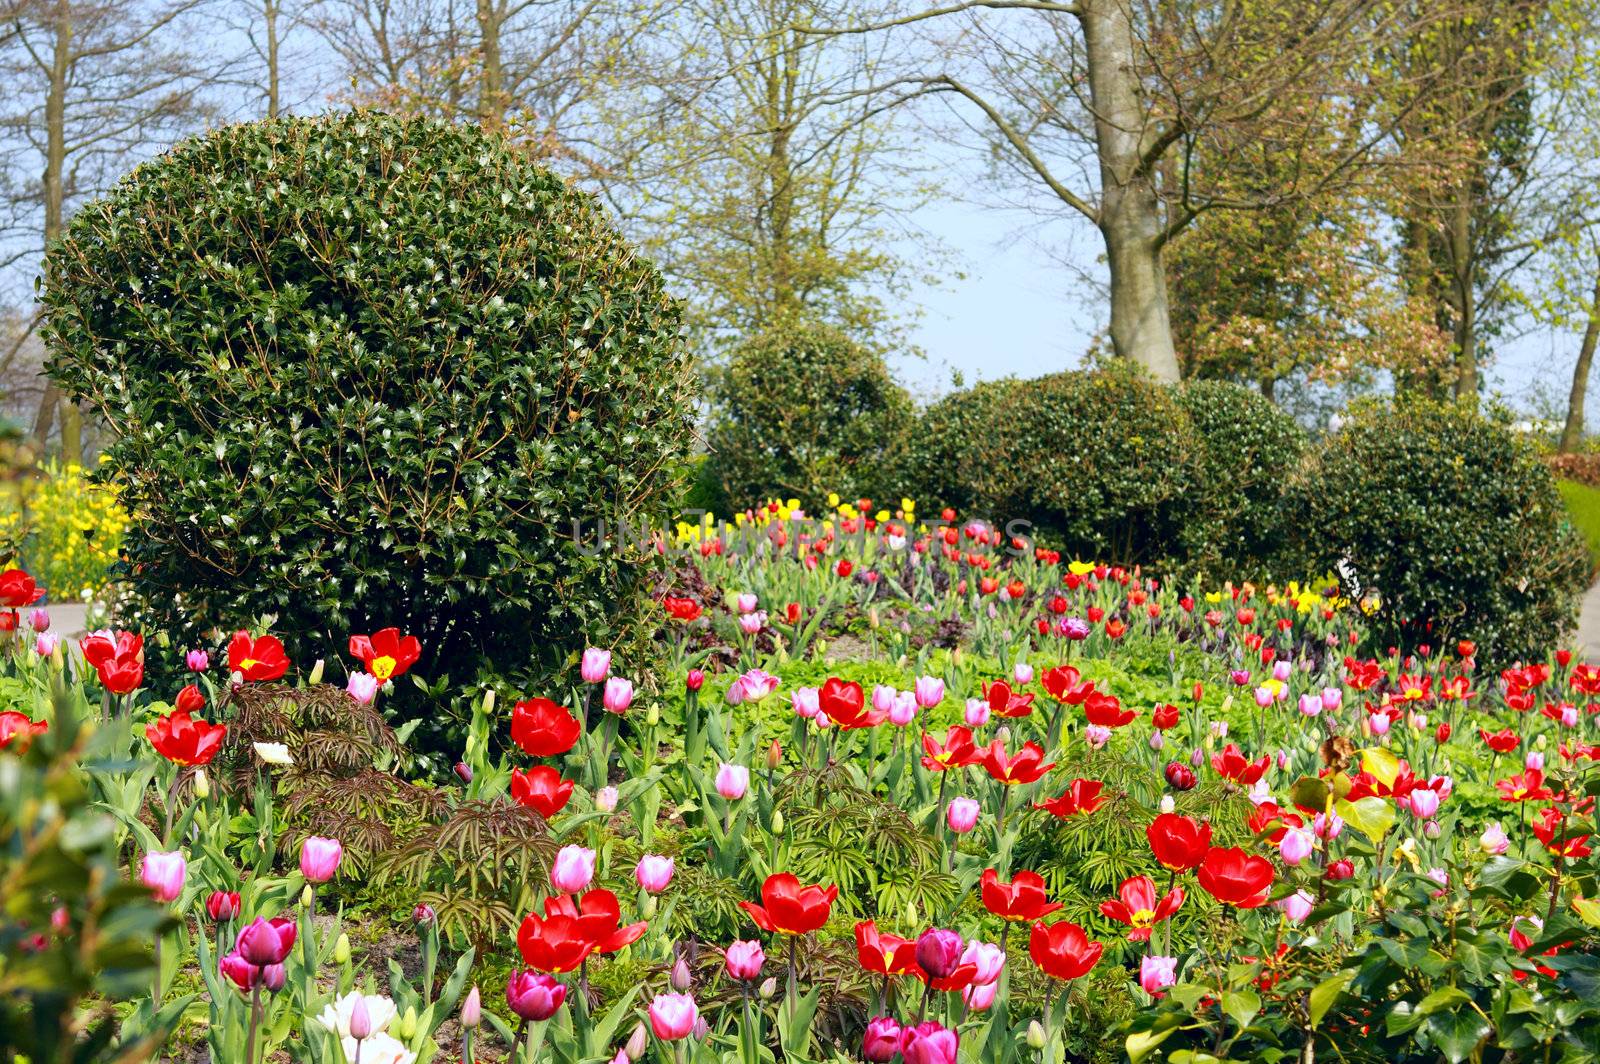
(66, 530)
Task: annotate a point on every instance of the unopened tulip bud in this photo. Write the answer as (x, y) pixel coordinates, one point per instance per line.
(1036, 1035)
(681, 979)
(408, 1024)
(472, 1009)
(768, 988)
(488, 702)
(647, 907)
(341, 949)
(360, 1019)
(1167, 804)
(777, 821)
(695, 680)
(638, 1041)
(202, 785)
(774, 755)
(316, 674)
(463, 771)
(605, 799)
(652, 716)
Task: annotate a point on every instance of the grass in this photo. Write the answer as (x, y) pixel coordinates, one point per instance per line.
(1583, 506)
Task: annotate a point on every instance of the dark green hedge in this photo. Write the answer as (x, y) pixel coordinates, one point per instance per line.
(1453, 519)
(368, 370)
(1249, 449)
(801, 410)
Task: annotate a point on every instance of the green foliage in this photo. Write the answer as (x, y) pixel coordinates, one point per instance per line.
(1248, 450)
(1583, 510)
(802, 410)
(1103, 461)
(59, 854)
(1450, 516)
(367, 370)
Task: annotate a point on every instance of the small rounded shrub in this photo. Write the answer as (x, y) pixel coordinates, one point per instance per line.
(1453, 520)
(802, 410)
(1100, 460)
(1249, 450)
(366, 370)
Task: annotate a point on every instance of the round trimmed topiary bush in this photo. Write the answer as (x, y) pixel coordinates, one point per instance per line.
(1102, 461)
(366, 370)
(1249, 451)
(802, 410)
(1451, 517)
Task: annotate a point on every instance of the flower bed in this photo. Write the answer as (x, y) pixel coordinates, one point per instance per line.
(893, 787)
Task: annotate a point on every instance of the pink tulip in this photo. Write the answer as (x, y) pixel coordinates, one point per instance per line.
(362, 687)
(1378, 723)
(618, 695)
(806, 702)
(265, 942)
(594, 665)
(654, 873)
(988, 959)
(1157, 973)
(977, 714)
(605, 799)
(1295, 846)
(573, 869)
(1534, 760)
(1097, 735)
(1310, 704)
(535, 996)
(881, 1043)
(1332, 697)
(929, 1043)
(751, 623)
(1424, 803)
(197, 660)
(962, 815)
(929, 691)
(319, 858)
(1494, 840)
(732, 781)
(747, 603)
(164, 874)
(45, 643)
(743, 961)
(673, 1016)
(904, 710)
(1022, 672)
(40, 619)
(1297, 906)
(883, 698)
(979, 996)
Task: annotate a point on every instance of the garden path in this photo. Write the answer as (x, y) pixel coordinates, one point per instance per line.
(68, 617)
(1587, 641)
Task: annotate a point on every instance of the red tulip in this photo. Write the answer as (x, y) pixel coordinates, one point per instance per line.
(1527, 786)
(543, 729)
(183, 740)
(1106, 711)
(1024, 898)
(257, 660)
(386, 653)
(846, 705)
(1164, 717)
(599, 918)
(789, 908)
(19, 728)
(681, 609)
(554, 943)
(1004, 703)
(884, 954)
(1236, 878)
(1062, 950)
(1178, 843)
(1081, 796)
(957, 750)
(1501, 742)
(1231, 764)
(17, 589)
(263, 942)
(1025, 767)
(1136, 906)
(541, 789)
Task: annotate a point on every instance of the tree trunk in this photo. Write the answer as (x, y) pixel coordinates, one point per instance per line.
(1463, 271)
(1572, 431)
(269, 11)
(53, 180)
(1130, 213)
(491, 86)
(780, 103)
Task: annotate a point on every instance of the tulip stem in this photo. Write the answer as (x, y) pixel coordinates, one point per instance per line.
(792, 990)
(255, 1018)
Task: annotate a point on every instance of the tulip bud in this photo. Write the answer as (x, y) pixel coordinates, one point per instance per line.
(768, 988)
(202, 786)
(472, 1009)
(463, 771)
(695, 680)
(777, 821)
(647, 907)
(1167, 804)
(681, 978)
(360, 1019)
(488, 702)
(605, 799)
(652, 716)
(305, 896)
(1036, 1036)
(774, 756)
(341, 949)
(316, 674)
(407, 1027)
(638, 1041)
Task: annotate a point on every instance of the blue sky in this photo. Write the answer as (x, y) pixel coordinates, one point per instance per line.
(1019, 310)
